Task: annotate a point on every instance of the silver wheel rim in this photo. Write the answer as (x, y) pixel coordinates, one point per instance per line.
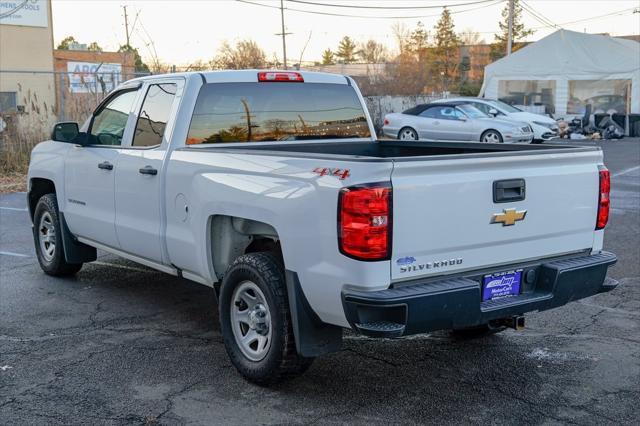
(251, 320)
(491, 137)
(408, 135)
(47, 237)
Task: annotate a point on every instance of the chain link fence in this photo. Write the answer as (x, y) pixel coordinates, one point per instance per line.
(32, 101)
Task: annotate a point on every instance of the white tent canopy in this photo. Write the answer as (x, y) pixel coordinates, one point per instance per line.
(565, 71)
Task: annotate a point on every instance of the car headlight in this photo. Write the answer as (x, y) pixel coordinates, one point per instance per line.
(549, 126)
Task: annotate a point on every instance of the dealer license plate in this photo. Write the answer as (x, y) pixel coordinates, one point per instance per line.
(502, 284)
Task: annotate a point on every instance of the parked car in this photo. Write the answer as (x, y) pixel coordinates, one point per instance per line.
(271, 188)
(544, 128)
(453, 121)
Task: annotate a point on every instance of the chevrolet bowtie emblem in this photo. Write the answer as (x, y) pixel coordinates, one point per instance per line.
(508, 217)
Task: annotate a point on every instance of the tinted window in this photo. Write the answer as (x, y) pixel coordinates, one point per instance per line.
(430, 112)
(253, 112)
(154, 115)
(108, 125)
(482, 107)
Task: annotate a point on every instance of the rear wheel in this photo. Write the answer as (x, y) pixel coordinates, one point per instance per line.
(48, 238)
(256, 322)
(407, 134)
(491, 136)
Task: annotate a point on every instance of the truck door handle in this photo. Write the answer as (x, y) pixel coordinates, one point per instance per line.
(105, 165)
(148, 170)
(508, 190)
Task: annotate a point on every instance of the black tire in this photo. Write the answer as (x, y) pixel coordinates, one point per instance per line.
(476, 332)
(408, 130)
(494, 132)
(54, 262)
(281, 362)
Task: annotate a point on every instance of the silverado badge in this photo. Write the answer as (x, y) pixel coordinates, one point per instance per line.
(508, 217)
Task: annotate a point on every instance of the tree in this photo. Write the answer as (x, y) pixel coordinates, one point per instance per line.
(468, 37)
(327, 57)
(401, 34)
(138, 64)
(446, 48)
(94, 47)
(419, 42)
(346, 50)
(373, 52)
(64, 44)
(245, 54)
(519, 32)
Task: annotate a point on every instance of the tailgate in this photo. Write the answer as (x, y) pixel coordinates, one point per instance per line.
(443, 211)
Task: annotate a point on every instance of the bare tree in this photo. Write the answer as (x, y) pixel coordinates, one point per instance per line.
(373, 52)
(245, 54)
(468, 37)
(401, 33)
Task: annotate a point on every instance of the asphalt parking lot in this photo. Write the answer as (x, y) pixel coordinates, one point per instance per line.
(123, 344)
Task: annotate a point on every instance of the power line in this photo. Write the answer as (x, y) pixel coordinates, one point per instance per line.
(367, 16)
(389, 7)
(539, 16)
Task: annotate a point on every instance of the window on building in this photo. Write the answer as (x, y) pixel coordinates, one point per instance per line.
(529, 95)
(8, 101)
(154, 115)
(604, 96)
(257, 112)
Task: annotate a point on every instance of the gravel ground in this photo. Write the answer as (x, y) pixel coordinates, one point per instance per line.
(123, 344)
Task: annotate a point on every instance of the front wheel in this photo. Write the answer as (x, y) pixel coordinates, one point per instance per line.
(256, 322)
(407, 134)
(48, 238)
(491, 136)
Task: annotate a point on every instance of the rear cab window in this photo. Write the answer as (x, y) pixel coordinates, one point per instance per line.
(283, 111)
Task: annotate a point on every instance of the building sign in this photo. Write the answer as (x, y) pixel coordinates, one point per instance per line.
(29, 13)
(91, 77)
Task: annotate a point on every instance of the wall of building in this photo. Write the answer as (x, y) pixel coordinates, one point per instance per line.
(28, 50)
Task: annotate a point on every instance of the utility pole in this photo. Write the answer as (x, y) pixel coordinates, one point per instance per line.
(284, 35)
(510, 33)
(126, 24)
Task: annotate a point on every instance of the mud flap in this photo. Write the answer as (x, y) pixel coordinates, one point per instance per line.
(313, 337)
(74, 250)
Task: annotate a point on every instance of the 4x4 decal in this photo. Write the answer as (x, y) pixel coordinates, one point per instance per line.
(326, 171)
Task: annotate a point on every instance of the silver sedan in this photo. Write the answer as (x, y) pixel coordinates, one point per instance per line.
(454, 122)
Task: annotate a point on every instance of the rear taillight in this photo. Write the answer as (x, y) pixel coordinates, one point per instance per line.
(364, 222)
(386, 122)
(603, 198)
(292, 77)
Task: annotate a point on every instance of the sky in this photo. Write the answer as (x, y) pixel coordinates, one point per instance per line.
(184, 31)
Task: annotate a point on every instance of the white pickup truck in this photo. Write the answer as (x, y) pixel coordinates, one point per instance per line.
(272, 188)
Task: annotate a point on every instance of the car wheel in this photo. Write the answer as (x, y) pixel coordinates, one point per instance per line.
(48, 238)
(477, 331)
(256, 322)
(407, 134)
(491, 136)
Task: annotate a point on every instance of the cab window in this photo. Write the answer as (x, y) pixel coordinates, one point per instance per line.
(154, 115)
(108, 125)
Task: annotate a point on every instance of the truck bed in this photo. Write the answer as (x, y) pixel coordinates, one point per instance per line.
(390, 149)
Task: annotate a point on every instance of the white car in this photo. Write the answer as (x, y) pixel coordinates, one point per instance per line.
(453, 121)
(544, 128)
(271, 188)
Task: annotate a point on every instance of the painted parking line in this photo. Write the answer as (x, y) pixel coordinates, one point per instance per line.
(10, 253)
(625, 171)
(14, 209)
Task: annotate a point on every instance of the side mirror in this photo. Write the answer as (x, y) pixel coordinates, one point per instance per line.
(65, 132)
(493, 112)
(462, 117)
